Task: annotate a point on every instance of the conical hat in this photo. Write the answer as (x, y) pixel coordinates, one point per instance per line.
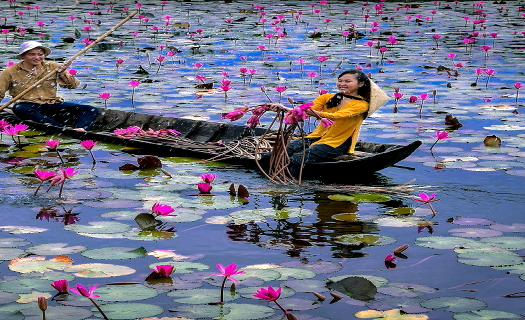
(377, 98)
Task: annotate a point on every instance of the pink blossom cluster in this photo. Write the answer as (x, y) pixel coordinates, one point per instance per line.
(137, 132)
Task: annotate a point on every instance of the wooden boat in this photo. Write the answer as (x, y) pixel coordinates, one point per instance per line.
(204, 140)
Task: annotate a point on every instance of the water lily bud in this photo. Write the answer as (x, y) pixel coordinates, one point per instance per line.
(335, 295)
(233, 288)
(434, 92)
(263, 89)
(42, 303)
(492, 141)
(396, 89)
(319, 296)
(290, 99)
(402, 248)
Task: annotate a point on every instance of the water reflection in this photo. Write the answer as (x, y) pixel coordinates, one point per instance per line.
(332, 219)
(51, 214)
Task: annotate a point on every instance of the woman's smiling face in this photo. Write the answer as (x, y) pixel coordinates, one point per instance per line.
(34, 57)
(348, 84)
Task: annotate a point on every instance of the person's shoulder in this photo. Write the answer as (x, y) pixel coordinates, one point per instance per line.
(325, 96)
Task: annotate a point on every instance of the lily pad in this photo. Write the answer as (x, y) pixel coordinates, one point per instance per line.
(436, 242)
(115, 253)
(129, 310)
(465, 221)
(361, 239)
(53, 249)
(183, 266)
(377, 281)
(306, 285)
(360, 197)
(99, 270)
(295, 304)
(286, 213)
(394, 314)
(21, 229)
(203, 311)
(357, 288)
(39, 264)
(125, 292)
(57, 312)
(247, 312)
(7, 254)
(400, 221)
(398, 289)
(515, 227)
(201, 296)
(454, 304)
(474, 232)
(318, 266)
(486, 315)
(407, 305)
(489, 259)
(8, 297)
(510, 243)
(25, 285)
(99, 227)
(13, 242)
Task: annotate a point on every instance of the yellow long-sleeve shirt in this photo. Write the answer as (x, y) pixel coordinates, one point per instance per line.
(15, 79)
(347, 121)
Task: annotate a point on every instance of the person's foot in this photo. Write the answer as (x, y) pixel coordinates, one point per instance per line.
(80, 129)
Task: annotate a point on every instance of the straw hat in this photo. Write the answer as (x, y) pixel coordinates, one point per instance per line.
(30, 45)
(377, 98)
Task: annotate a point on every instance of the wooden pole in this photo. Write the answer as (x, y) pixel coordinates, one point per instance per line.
(21, 94)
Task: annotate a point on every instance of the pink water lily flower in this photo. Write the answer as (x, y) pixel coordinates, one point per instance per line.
(13, 130)
(204, 187)
(68, 172)
(208, 177)
(134, 83)
(440, 135)
(61, 286)
(390, 258)
(164, 271)
(326, 122)
(269, 294)
(43, 175)
(235, 114)
(88, 144)
(105, 95)
(228, 271)
(88, 293)
(162, 209)
(425, 198)
(52, 144)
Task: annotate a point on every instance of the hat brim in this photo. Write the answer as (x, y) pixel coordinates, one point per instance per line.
(47, 51)
(377, 98)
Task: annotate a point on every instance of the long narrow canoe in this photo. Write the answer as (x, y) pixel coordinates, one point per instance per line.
(204, 140)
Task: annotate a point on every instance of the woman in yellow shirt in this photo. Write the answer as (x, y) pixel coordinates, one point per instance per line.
(347, 109)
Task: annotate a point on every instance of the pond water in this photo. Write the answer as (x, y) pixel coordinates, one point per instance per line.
(462, 263)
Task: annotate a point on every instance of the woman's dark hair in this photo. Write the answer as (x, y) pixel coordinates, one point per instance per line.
(363, 91)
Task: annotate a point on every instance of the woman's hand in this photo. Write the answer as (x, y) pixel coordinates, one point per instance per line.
(64, 66)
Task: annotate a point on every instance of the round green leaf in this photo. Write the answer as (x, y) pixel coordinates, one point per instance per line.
(486, 315)
(377, 281)
(398, 289)
(437, 242)
(465, 221)
(474, 232)
(285, 213)
(8, 297)
(7, 254)
(118, 311)
(39, 264)
(408, 305)
(53, 249)
(99, 270)
(511, 243)
(247, 312)
(306, 285)
(201, 296)
(319, 266)
(489, 259)
(360, 239)
(454, 304)
(59, 312)
(182, 267)
(203, 311)
(25, 285)
(127, 292)
(13, 242)
(99, 227)
(515, 227)
(21, 229)
(115, 253)
(360, 197)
